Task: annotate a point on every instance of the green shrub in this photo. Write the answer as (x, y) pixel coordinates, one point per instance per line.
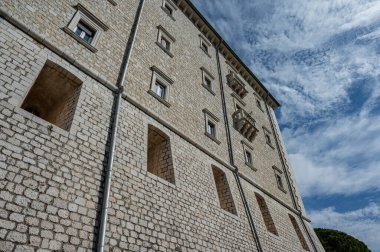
(336, 241)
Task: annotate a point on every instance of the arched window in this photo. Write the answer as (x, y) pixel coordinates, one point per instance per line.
(159, 154)
(54, 95)
(266, 214)
(224, 193)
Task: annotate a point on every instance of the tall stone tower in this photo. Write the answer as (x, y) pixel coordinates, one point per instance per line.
(131, 125)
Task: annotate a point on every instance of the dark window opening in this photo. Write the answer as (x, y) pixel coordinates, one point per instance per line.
(248, 157)
(168, 9)
(268, 221)
(159, 154)
(54, 96)
(204, 47)
(224, 193)
(301, 238)
(165, 43)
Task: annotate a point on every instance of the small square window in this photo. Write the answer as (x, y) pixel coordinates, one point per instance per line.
(160, 89)
(160, 86)
(84, 32)
(204, 44)
(165, 40)
(207, 80)
(85, 28)
(211, 125)
(169, 8)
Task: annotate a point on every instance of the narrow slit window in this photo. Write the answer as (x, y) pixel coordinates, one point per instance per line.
(300, 236)
(54, 95)
(223, 190)
(268, 221)
(159, 154)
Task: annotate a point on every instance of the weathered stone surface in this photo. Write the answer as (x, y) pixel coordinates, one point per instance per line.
(51, 179)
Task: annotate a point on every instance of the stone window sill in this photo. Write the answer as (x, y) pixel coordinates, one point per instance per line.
(205, 52)
(167, 12)
(166, 103)
(208, 89)
(165, 50)
(80, 40)
(251, 166)
(212, 138)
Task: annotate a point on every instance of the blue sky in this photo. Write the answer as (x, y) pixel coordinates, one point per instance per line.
(321, 60)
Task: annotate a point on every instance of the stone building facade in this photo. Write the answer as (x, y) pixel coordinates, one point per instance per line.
(130, 125)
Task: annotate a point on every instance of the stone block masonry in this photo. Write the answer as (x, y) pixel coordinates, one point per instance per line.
(173, 187)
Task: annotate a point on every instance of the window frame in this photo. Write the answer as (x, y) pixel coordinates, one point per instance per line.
(171, 5)
(159, 77)
(248, 148)
(210, 117)
(203, 41)
(279, 174)
(82, 15)
(207, 75)
(268, 137)
(164, 34)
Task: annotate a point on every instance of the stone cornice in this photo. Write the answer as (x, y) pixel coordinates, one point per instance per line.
(213, 36)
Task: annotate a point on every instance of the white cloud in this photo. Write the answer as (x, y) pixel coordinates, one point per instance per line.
(363, 223)
(340, 156)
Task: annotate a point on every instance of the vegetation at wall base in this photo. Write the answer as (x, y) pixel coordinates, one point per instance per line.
(336, 241)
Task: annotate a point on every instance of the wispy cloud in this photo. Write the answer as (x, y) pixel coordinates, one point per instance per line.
(363, 223)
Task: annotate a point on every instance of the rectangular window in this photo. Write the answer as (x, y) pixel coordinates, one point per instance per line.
(211, 128)
(160, 89)
(211, 125)
(205, 44)
(226, 200)
(160, 86)
(204, 47)
(301, 238)
(278, 175)
(259, 104)
(268, 137)
(54, 95)
(85, 28)
(84, 32)
(165, 41)
(207, 80)
(168, 8)
(248, 157)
